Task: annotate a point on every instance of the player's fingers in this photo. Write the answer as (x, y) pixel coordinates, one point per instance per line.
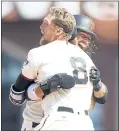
(93, 72)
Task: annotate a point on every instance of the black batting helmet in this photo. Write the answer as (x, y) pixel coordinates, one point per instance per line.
(86, 24)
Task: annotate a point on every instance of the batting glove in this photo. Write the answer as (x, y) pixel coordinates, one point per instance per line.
(95, 78)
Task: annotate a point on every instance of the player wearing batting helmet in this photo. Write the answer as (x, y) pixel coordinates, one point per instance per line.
(85, 37)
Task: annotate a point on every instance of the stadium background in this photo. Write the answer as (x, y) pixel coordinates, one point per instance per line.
(21, 32)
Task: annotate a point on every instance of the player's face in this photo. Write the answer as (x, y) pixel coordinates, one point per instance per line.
(48, 29)
(83, 39)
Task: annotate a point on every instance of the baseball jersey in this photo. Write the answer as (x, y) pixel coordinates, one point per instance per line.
(58, 57)
(79, 97)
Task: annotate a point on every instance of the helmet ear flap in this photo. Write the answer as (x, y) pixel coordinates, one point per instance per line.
(74, 33)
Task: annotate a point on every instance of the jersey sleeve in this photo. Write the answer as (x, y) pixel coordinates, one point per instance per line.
(30, 66)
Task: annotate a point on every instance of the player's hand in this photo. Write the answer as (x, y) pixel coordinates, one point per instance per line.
(94, 75)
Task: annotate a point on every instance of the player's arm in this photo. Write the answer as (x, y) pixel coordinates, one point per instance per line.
(100, 90)
(101, 95)
(24, 80)
(38, 91)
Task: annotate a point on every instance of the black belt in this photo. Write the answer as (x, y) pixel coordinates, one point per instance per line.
(68, 109)
(35, 124)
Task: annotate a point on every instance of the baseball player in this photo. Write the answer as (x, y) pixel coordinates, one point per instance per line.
(46, 66)
(85, 38)
(84, 34)
(99, 89)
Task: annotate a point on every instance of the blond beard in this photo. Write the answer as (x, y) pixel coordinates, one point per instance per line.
(43, 42)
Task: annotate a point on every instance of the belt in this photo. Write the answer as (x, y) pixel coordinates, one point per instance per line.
(34, 124)
(68, 109)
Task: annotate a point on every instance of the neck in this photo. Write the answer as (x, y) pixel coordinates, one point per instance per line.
(62, 38)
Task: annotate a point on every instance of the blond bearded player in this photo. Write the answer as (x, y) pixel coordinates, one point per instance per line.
(47, 66)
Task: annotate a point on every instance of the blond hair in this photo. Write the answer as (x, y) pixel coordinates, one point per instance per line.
(63, 19)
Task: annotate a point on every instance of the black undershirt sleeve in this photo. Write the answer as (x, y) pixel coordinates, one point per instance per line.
(22, 83)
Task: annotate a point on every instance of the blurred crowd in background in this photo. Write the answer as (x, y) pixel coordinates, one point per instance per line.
(21, 32)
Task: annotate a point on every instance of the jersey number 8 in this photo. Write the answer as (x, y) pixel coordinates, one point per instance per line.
(79, 66)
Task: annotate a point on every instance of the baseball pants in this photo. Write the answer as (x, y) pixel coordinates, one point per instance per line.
(65, 121)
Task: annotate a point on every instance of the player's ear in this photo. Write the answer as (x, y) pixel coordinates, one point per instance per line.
(59, 31)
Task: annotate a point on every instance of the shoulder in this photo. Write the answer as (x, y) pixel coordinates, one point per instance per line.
(39, 51)
(33, 55)
(33, 51)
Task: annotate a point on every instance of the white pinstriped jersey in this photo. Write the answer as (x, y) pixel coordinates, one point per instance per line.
(53, 58)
